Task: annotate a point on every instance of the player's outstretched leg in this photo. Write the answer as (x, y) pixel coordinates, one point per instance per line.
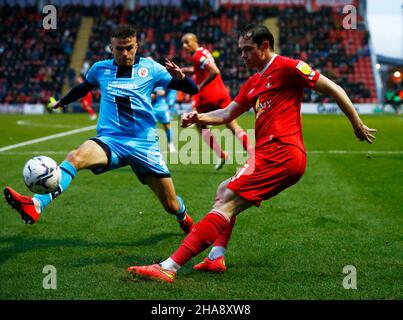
(241, 135)
(214, 145)
(184, 219)
(154, 271)
(168, 132)
(203, 234)
(30, 208)
(215, 261)
(165, 191)
(68, 174)
(23, 204)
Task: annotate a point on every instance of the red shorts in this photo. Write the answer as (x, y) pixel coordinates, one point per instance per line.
(275, 167)
(204, 107)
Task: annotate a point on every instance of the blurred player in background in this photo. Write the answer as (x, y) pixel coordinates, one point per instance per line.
(275, 93)
(126, 130)
(171, 97)
(86, 102)
(161, 112)
(212, 95)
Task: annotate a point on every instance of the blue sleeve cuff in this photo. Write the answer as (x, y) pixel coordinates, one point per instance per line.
(186, 85)
(77, 92)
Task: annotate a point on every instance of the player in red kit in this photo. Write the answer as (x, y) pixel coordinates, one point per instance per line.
(212, 95)
(86, 102)
(275, 93)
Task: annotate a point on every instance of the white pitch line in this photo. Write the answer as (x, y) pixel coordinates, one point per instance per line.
(53, 136)
(49, 125)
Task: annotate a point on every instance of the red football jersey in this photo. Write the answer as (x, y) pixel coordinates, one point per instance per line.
(215, 90)
(276, 97)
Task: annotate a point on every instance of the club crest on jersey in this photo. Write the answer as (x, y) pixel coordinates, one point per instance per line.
(142, 72)
(269, 84)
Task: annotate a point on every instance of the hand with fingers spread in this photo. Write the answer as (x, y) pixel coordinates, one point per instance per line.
(189, 118)
(175, 71)
(364, 133)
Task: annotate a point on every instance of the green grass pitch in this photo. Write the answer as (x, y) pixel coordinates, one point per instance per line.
(346, 210)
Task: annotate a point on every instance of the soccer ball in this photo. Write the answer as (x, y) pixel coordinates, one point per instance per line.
(42, 175)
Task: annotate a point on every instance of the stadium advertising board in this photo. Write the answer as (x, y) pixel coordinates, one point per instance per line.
(306, 108)
(332, 108)
(263, 2)
(22, 108)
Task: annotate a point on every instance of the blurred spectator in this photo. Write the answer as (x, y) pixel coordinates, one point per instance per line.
(316, 37)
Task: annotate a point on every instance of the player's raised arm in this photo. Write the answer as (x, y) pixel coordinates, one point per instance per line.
(213, 72)
(216, 117)
(74, 94)
(327, 86)
(179, 80)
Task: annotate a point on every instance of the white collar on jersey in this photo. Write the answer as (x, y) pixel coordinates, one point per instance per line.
(268, 64)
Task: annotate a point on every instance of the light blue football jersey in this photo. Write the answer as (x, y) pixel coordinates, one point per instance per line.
(125, 109)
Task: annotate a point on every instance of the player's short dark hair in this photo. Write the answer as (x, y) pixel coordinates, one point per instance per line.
(123, 32)
(258, 33)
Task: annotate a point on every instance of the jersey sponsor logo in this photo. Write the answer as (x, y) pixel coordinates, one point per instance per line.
(269, 84)
(142, 72)
(261, 107)
(121, 85)
(107, 72)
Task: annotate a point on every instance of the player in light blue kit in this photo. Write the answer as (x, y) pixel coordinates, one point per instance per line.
(171, 101)
(161, 112)
(126, 131)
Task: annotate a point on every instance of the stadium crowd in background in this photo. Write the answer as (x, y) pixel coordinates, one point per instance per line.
(34, 60)
(45, 58)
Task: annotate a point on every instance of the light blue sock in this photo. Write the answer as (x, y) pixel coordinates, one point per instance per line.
(68, 174)
(182, 210)
(168, 132)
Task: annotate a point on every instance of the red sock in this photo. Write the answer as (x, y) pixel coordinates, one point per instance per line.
(223, 238)
(212, 142)
(91, 111)
(203, 234)
(88, 108)
(244, 139)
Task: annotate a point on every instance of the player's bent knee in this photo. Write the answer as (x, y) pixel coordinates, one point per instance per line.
(221, 189)
(77, 158)
(72, 158)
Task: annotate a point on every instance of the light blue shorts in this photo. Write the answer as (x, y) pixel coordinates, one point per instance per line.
(144, 157)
